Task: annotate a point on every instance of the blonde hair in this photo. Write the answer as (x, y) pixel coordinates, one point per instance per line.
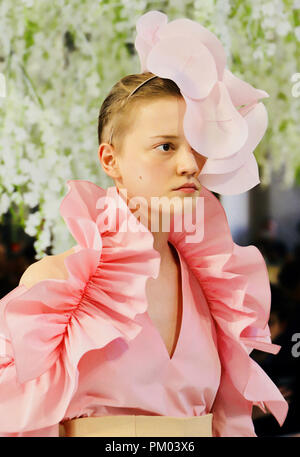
(118, 109)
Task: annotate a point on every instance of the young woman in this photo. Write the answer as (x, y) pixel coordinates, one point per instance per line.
(144, 328)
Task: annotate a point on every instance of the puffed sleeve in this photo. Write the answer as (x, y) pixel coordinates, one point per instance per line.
(15, 397)
(242, 323)
(235, 282)
(73, 304)
(35, 385)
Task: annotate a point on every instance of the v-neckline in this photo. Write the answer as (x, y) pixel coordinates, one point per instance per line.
(178, 342)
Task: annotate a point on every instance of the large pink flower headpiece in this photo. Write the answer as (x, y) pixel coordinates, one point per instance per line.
(223, 120)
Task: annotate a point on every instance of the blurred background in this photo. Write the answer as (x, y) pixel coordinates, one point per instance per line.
(58, 61)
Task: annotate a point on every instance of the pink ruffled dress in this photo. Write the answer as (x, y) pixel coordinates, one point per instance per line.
(86, 346)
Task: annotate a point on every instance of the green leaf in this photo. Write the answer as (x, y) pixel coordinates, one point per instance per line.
(31, 29)
(281, 96)
(296, 17)
(297, 176)
(283, 125)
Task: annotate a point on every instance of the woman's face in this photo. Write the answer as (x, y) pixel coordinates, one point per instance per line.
(156, 157)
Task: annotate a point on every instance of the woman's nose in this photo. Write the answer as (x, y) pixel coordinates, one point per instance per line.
(187, 162)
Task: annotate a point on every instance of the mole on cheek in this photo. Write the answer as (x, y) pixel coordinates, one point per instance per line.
(140, 177)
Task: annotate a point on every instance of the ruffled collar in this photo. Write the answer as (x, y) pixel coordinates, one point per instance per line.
(106, 286)
(234, 280)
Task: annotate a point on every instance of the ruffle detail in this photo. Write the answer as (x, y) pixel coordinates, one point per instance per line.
(235, 282)
(51, 325)
(47, 328)
(224, 120)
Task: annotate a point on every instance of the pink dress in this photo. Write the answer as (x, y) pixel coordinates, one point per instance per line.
(86, 346)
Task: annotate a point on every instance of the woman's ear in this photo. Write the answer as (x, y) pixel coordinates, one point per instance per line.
(109, 160)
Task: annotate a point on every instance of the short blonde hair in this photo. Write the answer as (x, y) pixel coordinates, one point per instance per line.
(117, 110)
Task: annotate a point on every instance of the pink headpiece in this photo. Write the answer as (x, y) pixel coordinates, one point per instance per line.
(215, 123)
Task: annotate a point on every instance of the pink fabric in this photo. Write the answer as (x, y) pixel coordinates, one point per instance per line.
(85, 345)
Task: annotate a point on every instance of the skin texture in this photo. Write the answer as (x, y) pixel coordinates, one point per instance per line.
(49, 267)
(147, 168)
(154, 167)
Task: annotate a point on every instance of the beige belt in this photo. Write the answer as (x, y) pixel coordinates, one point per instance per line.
(132, 425)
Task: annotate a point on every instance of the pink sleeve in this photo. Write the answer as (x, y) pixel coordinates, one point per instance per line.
(47, 328)
(26, 398)
(236, 285)
(232, 413)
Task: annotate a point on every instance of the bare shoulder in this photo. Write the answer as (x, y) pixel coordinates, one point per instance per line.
(49, 267)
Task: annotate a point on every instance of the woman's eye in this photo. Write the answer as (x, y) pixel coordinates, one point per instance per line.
(163, 144)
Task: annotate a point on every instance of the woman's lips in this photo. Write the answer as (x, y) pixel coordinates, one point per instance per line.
(186, 189)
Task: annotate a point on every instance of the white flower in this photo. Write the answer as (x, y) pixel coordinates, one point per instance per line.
(296, 5)
(20, 179)
(32, 222)
(4, 203)
(10, 162)
(255, 12)
(271, 48)
(54, 184)
(25, 165)
(268, 22)
(48, 135)
(45, 237)
(297, 32)
(268, 9)
(270, 34)
(44, 240)
(2, 85)
(20, 134)
(258, 54)
(32, 151)
(28, 3)
(283, 28)
(50, 206)
(6, 182)
(61, 237)
(39, 175)
(31, 199)
(33, 113)
(50, 159)
(16, 197)
(224, 5)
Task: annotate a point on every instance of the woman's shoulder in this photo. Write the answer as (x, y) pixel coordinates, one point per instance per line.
(49, 267)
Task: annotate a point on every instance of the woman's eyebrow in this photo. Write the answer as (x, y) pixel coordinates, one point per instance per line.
(164, 136)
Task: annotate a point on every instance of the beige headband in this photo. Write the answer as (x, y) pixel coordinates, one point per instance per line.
(144, 82)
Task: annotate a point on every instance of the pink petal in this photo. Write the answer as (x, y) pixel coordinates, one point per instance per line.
(240, 91)
(147, 27)
(257, 120)
(85, 192)
(234, 182)
(85, 232)
(80, 219)
(189, 64)
(224, 130)
(196, 34)
(143, 50)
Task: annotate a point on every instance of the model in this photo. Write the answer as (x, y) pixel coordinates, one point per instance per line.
(145, 328)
